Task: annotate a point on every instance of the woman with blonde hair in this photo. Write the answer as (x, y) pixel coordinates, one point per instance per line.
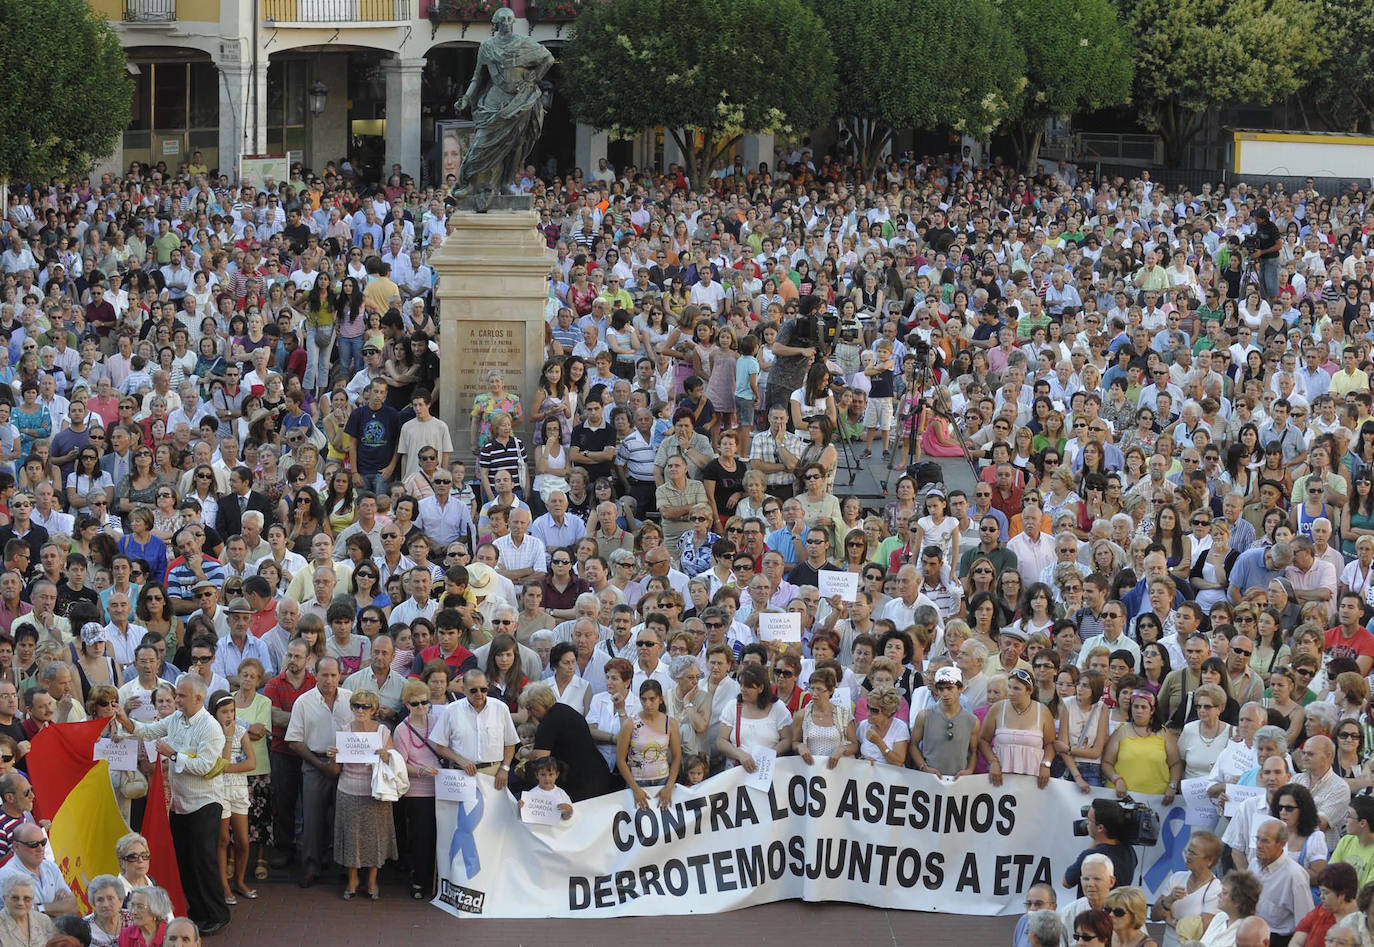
(1129, 912)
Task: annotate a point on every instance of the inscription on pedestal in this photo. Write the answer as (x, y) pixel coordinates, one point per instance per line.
(483, 346)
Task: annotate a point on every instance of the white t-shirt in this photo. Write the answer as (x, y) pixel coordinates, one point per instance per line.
(713, 295)
(897, 732)
(761, 731)
(602, 716)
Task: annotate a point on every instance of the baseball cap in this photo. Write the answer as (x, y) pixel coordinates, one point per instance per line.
(949, 675)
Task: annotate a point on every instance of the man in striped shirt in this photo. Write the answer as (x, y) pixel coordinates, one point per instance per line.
(775, 452)
(634, 462)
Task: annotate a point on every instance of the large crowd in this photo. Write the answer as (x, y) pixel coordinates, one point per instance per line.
(234, 526)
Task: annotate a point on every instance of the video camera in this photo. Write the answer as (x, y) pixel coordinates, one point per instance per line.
(1139, 823)
(821, 329)
(1251, 244)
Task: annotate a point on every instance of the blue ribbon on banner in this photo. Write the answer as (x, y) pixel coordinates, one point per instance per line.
(1172, 841)
(464, 836)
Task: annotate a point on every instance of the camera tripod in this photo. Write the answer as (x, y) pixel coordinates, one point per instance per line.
(922, 374)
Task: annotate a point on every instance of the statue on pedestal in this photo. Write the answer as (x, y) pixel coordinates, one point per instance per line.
(507, 107)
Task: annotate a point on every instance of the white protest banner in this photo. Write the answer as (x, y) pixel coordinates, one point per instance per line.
(540, 810)
(863, 834)
(844, 584)
(454, 785)
(122, 755)
(780, 626)
(1235, 795)
(359, 747)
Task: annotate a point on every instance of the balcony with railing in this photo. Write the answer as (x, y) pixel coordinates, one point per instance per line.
(336, 12)
(150, 11)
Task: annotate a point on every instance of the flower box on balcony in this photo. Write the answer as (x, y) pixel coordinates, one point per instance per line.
(464, 11)
(553, 11)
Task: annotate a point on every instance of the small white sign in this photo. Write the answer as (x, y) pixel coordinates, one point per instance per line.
(122, 755)
(1235, 795)
(762, 776)
(146, 711)
(844, 584)
(780, 626)
(1198, 809)
(539, 810)
(357, 747)
(842, 698)
(454, 785)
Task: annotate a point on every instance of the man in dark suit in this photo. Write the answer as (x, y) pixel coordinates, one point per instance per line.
(240, 499)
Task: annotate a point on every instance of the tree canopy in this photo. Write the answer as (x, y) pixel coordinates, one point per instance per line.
(1078, 59)
(69, 97)
(922, 65)
(1343, 85)
(710, 71)
(1192, 55)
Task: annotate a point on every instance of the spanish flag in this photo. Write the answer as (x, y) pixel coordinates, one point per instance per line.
(73, 791)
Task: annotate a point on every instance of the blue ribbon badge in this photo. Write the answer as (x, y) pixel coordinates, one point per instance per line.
(1173, 837)
(464, 836)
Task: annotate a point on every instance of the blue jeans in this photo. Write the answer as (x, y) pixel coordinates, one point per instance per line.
(350, 355)
(375, 482)
(1269, 276)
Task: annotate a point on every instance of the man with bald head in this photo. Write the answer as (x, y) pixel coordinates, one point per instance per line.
(1286, 895)
(1329, 791)
(181, 932)
(901, 610)
(1253, 812)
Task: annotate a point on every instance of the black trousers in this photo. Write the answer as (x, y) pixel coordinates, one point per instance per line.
(418, 815)
(286, 790)
(195, 836)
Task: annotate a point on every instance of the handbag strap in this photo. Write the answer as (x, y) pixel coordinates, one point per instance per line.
(739, 715)
(444, 762)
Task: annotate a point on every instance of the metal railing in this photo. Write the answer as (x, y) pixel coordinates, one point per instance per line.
(150, 11)
(335, 11)
(1107, 147)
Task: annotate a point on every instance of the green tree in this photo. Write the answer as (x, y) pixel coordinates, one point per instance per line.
(70, 95)
(920, 65)
(1193, 55)
(1078, 59)
(1343, 86)
(710, 71)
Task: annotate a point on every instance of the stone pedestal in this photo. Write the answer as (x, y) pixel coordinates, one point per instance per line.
(493, 283)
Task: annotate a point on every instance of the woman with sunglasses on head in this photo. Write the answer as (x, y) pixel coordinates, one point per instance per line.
(1018, 735)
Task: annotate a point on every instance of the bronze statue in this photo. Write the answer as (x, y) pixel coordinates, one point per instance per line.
(507, 110)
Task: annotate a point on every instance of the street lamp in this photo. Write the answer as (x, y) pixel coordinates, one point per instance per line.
(319, 93)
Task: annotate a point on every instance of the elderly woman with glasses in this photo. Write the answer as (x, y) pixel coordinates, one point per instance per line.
(364, 834)
(151, 909)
